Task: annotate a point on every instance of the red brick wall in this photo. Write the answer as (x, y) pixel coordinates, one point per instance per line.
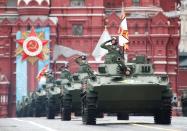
(4, 86)
(167, 5)
(182, 81)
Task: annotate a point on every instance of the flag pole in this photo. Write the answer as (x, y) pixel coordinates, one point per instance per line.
(122, 16)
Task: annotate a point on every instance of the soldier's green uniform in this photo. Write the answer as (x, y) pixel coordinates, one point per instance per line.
(49, 77)
(65, 74)
(84, 66)
(114, 54)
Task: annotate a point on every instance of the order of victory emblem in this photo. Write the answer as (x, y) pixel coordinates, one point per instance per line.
(32, 47)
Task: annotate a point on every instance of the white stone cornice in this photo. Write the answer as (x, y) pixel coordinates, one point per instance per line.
(33, 7)
(172, 73)
(172, 57)
(160, 35)
(4, 83)
(76, 7)
(9, 14)
(58, 72)
(172, 62)
(160, 72)
(169, 73)
(160, 62)
(76, 15)
(159, 56)
(60, 62)
(74, 36)
(5, 36)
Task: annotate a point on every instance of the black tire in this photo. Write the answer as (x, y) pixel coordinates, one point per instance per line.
(163, 115)
(184, 112)
(123, 116)
(61, 107)
(37, 112)
(67, 105)
(89, 109)
(184, 107)
(50, 110)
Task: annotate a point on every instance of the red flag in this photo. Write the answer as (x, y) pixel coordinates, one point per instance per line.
(42, 72)
(123, 30)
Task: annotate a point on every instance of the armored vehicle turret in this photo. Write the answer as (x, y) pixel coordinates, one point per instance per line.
(133, 90)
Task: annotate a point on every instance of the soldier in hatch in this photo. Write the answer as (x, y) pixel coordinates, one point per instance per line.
(114, 54)
(49, 77)
(84, 66)
(65, 73)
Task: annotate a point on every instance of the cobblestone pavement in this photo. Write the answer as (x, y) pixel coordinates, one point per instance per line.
(103, 124)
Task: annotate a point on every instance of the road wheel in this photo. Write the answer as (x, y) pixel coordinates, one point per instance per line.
(89, 109)
(163, 115)
(122, 116)
(67, 105)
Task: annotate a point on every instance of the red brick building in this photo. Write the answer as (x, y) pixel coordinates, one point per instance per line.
(182, 83)
(153, 29)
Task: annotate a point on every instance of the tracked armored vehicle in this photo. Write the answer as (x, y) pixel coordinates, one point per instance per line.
(39, 102)
(53, 99)
(22, 107)
(72, 97)
(136, 90)
(30, 106)
(72, 91)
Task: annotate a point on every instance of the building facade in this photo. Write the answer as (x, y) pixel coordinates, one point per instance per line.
(182, 70)
(153, 31)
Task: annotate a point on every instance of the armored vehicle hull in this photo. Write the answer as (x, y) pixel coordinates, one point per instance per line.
(119, 98)
(39, 108)
(72, 97)
(146, 100)
(53, 106)
(76, 102)
(138, 94)
(38, 103)
(53, 101)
